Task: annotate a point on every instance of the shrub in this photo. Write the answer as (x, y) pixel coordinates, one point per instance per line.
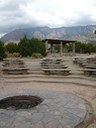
(36, 55)
(11, 47)
(16, 54)
(29, 46)
(2, 51)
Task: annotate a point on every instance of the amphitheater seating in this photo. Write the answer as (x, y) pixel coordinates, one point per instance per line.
(54, 66)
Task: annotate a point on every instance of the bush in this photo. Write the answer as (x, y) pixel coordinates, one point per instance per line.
(16, 54)
(13, 54)
(2, 51)
(11, 47)
(29, 46)
(36, 55)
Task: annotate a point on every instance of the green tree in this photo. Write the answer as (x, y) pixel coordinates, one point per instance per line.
(23, 46)
(11, 47)
(37, 46)
(83, 47)
(2, 51)
(29, 46)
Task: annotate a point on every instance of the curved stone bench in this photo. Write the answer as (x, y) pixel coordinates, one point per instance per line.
(62, 71)
(88, 72)
(15, 71)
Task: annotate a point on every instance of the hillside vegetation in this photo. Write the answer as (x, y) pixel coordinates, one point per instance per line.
(34, 47)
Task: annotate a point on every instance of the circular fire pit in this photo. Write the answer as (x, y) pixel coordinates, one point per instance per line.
(58, 110)
(20, 102)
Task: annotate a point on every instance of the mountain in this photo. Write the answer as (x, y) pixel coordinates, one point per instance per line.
(79, 33)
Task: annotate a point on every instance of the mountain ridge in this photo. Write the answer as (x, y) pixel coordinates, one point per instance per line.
(79, 33)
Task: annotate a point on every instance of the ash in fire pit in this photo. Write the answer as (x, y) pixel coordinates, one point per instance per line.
(20, 102)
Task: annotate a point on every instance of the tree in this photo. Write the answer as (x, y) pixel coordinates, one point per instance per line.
(37, 46)
(11, 47)
(83, 47)
(23, 46)
(29, 46)
(2, 51)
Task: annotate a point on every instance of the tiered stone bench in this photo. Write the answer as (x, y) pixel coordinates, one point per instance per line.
(54, 66)
(14, 67)
(57, 71)
(88, 72)
(88, 65)
(15, 71)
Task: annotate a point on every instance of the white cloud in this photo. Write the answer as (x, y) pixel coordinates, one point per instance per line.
(52, 13)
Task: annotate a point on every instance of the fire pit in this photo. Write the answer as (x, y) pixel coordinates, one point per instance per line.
(20, 102)
(58, 109)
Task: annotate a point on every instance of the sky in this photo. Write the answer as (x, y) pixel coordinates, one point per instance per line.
(15, 14)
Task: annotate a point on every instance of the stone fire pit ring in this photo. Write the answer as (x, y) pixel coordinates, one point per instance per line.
(57, 110)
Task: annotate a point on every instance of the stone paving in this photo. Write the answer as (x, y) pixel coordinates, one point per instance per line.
(58, 110)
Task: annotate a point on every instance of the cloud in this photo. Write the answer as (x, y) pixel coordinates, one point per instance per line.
(11, 15)
(52, 13)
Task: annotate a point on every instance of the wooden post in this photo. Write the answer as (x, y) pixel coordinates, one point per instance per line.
(46, 46)
(73, 49)
(51, 48)
(61, 48)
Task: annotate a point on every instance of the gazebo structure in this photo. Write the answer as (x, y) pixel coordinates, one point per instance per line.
(50, 42)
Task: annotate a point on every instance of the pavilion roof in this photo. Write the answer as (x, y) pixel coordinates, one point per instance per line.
(59, 40)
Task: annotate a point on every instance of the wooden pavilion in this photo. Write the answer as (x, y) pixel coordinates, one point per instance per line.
(61, 43)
